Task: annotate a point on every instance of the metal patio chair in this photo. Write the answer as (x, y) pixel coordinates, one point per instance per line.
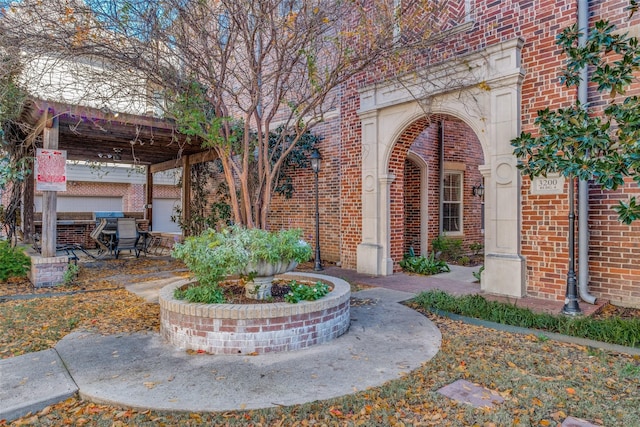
(127, 236)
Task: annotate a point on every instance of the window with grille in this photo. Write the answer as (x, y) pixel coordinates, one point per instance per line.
(452, 202)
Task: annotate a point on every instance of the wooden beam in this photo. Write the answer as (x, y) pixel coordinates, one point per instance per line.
(165, 166)
(204, 156)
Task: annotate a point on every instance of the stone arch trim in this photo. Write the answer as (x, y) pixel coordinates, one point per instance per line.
(391, 113)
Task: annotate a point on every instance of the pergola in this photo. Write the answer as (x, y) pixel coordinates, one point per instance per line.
(91, 134)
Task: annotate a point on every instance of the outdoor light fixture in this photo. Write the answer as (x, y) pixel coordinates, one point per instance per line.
(478, 190)
(118, 154)
(315, 161)
(571, 306)
(315, 165)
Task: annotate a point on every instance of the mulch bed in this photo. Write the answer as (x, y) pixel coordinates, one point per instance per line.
(608, 311)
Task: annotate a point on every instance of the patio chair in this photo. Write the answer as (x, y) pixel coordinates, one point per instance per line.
(127, 236)
(98, 237)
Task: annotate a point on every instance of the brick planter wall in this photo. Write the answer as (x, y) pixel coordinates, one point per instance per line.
(255, 328)
(47, 272)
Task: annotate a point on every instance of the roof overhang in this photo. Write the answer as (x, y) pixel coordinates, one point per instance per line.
(99, 135)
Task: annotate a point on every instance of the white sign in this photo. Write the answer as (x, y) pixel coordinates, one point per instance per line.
(51, 170)
(552, 184)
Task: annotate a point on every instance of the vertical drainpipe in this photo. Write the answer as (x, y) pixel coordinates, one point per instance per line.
(441, 161)
(583, 185)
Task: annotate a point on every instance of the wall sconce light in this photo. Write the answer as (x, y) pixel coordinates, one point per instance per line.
(478, 190)
(118, 154)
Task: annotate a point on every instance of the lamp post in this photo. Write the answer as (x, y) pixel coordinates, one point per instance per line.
(315, 165)
(571, 306)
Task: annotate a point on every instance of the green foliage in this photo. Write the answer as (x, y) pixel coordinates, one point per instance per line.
(423, 265)
(202, 294)
(611, 330)
(13, 261)
(478, 274)
(70, 274)
(203, 214)
(631, 370)
(300, 292)
(591, 142)
(476, 248)
(447, 248)
(298, 158)
(196, 116)
(213, 255)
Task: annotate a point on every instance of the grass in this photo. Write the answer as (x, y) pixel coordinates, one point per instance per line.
(612, 330)
(542, 382)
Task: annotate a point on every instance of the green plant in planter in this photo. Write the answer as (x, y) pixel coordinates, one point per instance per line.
(235, 250)
(300, 292)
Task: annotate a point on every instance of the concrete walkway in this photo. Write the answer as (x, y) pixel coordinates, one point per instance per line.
(385, 340)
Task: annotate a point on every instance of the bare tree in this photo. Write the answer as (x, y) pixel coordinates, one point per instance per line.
(228, 71)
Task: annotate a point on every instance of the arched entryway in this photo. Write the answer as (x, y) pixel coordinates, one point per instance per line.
(392, 118)
(436, 196)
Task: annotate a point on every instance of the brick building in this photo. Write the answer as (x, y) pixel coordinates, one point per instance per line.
(385, 155)
(401, 161)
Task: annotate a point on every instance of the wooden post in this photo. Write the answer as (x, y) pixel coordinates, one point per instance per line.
(148, 199)
(186, 192)
(49, 198)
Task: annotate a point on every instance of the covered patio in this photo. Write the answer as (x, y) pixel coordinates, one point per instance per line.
(101, 135)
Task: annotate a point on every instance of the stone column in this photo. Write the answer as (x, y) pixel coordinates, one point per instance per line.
(504, 271)
(370, 251)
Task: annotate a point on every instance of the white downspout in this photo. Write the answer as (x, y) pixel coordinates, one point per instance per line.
(583, 185)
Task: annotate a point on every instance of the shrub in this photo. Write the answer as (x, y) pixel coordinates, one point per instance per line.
(478, 274)
(299, 292)
(613, 330)
(464, 260)
(13, 261)
(476, 248)
(70, 274)
(423, 265)
(447, 248)
(213, 255)
(203, 294)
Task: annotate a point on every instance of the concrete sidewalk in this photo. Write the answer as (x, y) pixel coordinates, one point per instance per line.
(385, 340)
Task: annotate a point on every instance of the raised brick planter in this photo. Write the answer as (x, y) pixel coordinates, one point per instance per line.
(47, 272)
(255, 328)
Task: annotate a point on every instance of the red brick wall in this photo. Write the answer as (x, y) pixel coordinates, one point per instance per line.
(461, 146)
(412, 208)
(299, 211)
(351, 174)
(614, 253)
(544, 225)
(613, 246)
